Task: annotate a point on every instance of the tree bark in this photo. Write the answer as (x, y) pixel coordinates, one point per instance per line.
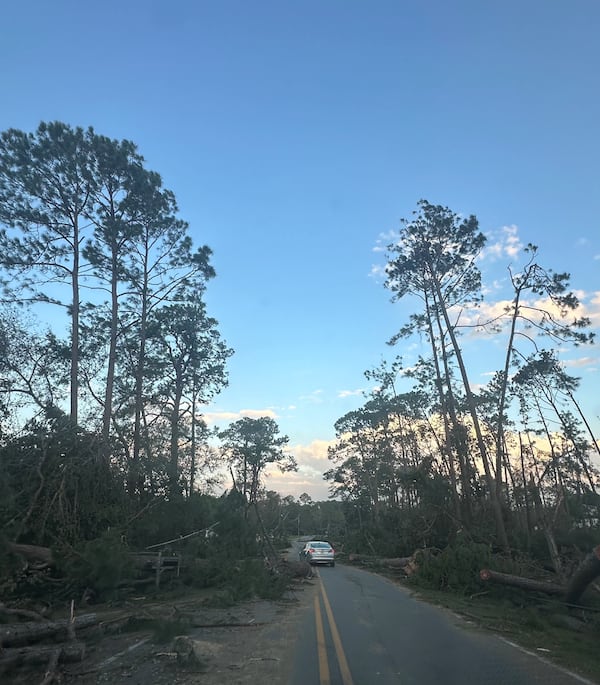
(587, 571)
(75, 311)
(32, 552)
(10, 658)
(523, 583)
(21, 633)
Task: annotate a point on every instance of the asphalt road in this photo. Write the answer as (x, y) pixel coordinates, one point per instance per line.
(365, 630)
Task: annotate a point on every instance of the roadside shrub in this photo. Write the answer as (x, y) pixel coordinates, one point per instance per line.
(99, 564)
(241, 580)
(455, 569)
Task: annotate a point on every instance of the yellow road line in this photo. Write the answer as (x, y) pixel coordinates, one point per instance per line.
(321, 649)
(339, 650)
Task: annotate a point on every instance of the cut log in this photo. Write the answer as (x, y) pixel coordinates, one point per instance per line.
(22, 633)
(407, 564)
(523, 583)
(23, 613)
(397, 562)
(17, 656)
(588, 570)
(32, 552)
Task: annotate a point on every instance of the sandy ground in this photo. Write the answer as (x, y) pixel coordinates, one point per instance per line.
(252, 642)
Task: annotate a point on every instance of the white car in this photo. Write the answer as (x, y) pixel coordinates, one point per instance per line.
(318, 552)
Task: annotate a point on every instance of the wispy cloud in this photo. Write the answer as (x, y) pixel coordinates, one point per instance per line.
(217, 416)
(378, 273)
(503, 243)
(350, 393)
(385, 239)
(582, 362)
(316, 397)
(477, 317)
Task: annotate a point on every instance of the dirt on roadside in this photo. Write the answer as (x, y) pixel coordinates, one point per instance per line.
(251, 642)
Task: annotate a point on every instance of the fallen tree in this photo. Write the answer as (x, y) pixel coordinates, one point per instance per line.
(521, 582)
(588, 570)
(407, 564)
(32, 553)
(41, 654)
(21, 633)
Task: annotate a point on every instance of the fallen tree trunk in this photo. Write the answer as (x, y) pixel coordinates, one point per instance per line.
(583, 576)
(406, 564)
(22, 633)
(18, 656)
(396, 562)
(23, 613)
(523, 583)
(32, 552)
(392, 561)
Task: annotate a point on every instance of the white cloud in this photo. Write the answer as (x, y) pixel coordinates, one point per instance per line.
(312, 464)
(478, 317)
(385, 239)
(216, 416)
(581, 362)
(503, 243)
(350, 393)
(378, 272)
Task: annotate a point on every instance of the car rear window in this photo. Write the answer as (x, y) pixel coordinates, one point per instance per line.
(320, 545)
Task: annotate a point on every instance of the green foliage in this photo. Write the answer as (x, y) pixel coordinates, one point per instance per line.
(456, 568)
(234, 580)
(59, 484)
(99, 564)
(170, 519)
(251, 445)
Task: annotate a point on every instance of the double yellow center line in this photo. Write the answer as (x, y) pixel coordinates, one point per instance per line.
(324, 675)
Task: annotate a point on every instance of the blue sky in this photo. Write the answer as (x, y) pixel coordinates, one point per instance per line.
(296, 134)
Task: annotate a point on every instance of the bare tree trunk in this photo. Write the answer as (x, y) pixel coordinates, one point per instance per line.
(548, 534)
(193, 443)
(174, 446)
(112, 350)
(75, 309)
(135, 477)
(525, 491)
(447, 406)
(497, 509)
